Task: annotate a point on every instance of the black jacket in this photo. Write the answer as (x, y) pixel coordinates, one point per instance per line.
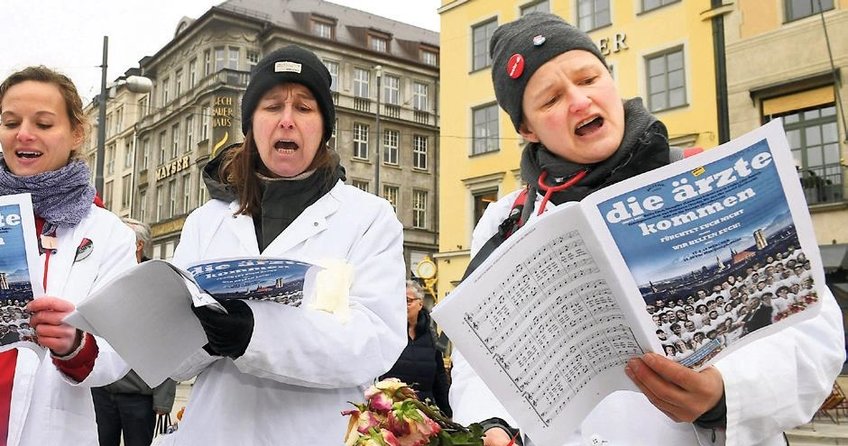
(421, 365)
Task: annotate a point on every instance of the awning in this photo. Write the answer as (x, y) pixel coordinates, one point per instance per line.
(834, 257)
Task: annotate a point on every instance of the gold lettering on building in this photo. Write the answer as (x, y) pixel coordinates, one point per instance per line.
(173, 167)
(223, 112)
(618, 42)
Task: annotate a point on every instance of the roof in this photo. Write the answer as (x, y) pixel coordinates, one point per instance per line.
(351, 23)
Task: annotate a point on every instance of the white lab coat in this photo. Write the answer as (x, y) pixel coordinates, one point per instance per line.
(771, 385)
(49, 408)
(302, 366)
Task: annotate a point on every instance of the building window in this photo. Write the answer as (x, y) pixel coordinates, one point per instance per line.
(252, 59)
(189, 125)
(361, 79)
(219, 59)
(483, 199)
(648, 5)
(814, 139)
(142, 107)
(128, 154)
(419, 209)
(201, 191)
(178, 83)
(126, 191)
(391, 90)
(666, 80)
(119, 119)
(333, 68)
(798, 9)
(378, 43)
(166, 90)
(322, 28)
(420, 93)
(160, 202)
(110, 159)
(333, 142)
(172, 197)
(485, 124)
(145, 153)
(233, 61)
(538, 6)
(207, 63)
(107, 195)
(360, 141)
(481, 35)
(187, 192)
(419, 152)
(163, 144)
(360, 184)
(192, 73)
(142, 205)
(593, 14)
(390, 147)
(205, 121)
(391, 194)
(429, 57)
(175, 140)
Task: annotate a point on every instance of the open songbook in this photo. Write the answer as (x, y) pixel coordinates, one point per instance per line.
(692, 260)
(145, 312)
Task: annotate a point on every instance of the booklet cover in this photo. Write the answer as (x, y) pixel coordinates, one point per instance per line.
(692, 260)
(18, 270)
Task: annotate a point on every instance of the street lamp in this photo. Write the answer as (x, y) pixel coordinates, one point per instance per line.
(135, 84)
(379, 69)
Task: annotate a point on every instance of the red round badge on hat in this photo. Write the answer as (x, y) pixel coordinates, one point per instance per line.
(515, 66)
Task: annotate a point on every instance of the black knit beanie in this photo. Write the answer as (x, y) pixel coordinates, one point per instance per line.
(519, 48)
(290, 64)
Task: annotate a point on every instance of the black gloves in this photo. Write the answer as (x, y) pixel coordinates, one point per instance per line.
(228, 334)
(715, 417)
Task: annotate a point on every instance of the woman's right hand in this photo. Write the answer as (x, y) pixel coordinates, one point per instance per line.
(496, 437)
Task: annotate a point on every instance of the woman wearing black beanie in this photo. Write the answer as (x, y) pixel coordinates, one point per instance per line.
(271, 373)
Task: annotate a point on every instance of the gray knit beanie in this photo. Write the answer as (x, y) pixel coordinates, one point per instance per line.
(290, 64)
(519, 48)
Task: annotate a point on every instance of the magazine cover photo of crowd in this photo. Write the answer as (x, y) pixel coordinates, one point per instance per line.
(14, 322)
(722, 312)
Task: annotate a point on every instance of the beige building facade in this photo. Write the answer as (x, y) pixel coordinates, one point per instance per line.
(385, 85)
(786, 59)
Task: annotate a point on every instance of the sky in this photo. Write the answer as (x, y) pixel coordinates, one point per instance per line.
(68, 35)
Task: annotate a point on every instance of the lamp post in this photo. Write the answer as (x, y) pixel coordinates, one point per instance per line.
(379, 70)
(135, 84)
(101, 121)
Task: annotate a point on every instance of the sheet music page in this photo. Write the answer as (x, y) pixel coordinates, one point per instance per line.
(539, 322)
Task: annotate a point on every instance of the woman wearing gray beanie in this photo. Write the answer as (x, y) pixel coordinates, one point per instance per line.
(554, 84)
(274, 374)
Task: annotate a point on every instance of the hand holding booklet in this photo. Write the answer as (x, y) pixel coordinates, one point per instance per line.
(145, 315)
(19, 271)
(692, 260)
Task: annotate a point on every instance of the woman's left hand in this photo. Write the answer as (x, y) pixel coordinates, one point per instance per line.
(47, 315)
(680, 392)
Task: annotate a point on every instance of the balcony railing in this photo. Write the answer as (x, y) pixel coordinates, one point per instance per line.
(391, 111)
(362, 104)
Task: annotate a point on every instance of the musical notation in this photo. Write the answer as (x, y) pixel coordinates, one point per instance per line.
(553, 324)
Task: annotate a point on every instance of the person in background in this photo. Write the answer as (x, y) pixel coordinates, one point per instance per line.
(46, 399)
(421, 364)
(271, 373)
(129, 406)
(553, 82)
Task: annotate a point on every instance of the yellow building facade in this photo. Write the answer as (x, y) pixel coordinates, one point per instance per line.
(660, 50)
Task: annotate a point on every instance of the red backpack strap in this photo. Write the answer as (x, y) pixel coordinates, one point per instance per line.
(689, 151)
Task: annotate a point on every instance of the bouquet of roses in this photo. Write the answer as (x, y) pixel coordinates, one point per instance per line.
(392, 415)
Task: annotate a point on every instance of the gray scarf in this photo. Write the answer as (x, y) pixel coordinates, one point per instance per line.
(61, 197)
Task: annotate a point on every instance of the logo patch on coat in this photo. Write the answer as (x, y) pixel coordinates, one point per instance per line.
(84, 250)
